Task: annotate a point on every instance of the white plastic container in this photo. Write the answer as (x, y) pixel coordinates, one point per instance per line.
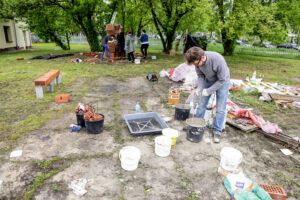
(163, 146)
(129, 157)
(230, 158)
(171, 133)
(137, 61)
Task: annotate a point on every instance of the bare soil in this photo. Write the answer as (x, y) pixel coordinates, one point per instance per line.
(190, 172)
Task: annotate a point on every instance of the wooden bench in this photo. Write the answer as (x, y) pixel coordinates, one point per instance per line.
(49, 79)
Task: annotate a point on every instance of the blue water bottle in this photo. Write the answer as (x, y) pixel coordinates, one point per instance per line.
(137, 107)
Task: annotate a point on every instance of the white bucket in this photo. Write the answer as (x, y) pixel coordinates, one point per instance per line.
(163, 146)
(129, 157)
(171, 133)
(137, 61)
(230, 158)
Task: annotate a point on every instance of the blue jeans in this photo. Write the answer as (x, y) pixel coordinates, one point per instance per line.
(221, 94)
(105, 47)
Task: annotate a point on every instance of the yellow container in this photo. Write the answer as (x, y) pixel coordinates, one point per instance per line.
(173, 98)
(171, 133)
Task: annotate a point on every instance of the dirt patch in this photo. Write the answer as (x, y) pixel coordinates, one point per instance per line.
(189, 172)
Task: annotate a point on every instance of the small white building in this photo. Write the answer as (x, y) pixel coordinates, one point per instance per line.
(14, 35)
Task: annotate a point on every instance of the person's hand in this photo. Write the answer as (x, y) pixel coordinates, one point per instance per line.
(204, 92)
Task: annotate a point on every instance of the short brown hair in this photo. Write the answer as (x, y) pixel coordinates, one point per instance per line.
(194, 53)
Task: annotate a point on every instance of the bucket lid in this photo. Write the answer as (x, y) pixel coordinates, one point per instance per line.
(232, 152)
(169, 132)
(163, 140)
(130, 152)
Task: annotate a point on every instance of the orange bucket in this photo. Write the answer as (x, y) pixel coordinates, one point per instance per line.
(173, 98)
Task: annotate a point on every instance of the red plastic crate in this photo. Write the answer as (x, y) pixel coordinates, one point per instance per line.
(275, 192)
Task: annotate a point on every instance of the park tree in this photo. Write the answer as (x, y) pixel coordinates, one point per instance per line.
(231, 18)
(167, 16)
(133, 15)
(262, 23)
(234, 19)
(49, 23)
(61, 17)
(288, 13)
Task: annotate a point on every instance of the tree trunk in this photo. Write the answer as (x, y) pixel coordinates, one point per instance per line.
(91, 35)
(68, 40)
(58, 41)
(170, 40)
(228, 44)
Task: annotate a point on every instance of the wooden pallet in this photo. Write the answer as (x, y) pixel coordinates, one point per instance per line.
(284, 139)
(248, 128)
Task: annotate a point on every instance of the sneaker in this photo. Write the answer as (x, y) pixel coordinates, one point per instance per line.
(217, 138)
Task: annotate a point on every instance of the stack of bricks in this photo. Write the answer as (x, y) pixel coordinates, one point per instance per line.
(113, 29)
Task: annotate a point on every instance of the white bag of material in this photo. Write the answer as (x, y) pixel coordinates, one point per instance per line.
(163, 73)
(185, 72)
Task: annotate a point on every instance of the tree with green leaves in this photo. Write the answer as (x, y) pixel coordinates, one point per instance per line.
(167, 16)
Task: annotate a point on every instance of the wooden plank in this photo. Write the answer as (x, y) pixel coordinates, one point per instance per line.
(266, 96)
(285, 97)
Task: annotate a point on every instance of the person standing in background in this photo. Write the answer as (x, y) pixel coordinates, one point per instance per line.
(105, 47)
(129, 46)
(145, 43)
(121, 42)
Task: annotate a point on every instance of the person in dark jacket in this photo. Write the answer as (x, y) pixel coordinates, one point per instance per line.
(145, 43)
(121, 42)
(105, 47)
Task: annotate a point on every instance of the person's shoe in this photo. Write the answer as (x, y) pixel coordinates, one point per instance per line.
(217, 138)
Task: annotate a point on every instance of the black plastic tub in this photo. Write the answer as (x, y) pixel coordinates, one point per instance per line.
(182, 111)
(195, 129)
(80, 119)
(94, 127)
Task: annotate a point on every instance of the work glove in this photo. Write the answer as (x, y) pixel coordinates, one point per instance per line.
(204, 92)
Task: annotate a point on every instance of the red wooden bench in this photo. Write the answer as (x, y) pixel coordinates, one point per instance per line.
(49, 79)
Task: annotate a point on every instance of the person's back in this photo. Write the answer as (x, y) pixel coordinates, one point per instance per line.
(105, 39)
(130, 43)
(145, 43)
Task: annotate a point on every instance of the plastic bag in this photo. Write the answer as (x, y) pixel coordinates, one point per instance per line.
(163, 73)
(241, 187)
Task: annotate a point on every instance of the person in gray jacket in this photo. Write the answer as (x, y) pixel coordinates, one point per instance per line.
(213, 76)
(129, 46)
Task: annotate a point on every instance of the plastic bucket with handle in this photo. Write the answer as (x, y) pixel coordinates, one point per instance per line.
(129, 157)
(171, 133)
(230, 158)
(163, 146)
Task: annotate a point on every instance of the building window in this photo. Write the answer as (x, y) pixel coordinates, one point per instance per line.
(7, 34)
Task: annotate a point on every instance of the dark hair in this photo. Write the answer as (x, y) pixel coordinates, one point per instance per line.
(194, 53)
(129, 32)
(144, 31)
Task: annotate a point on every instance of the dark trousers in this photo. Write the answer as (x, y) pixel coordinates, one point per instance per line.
(122, 46)
(130, 56)
(144, 48)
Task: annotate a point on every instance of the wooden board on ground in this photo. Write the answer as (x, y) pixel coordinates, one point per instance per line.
(246, 128)
(266, 96)
(285, 97)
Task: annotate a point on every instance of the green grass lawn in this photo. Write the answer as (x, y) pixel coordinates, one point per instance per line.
(21, 111)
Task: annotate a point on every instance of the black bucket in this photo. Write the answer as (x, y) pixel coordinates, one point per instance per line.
(195, 129)
(80, 119)
(182, 111)
(94, 127)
